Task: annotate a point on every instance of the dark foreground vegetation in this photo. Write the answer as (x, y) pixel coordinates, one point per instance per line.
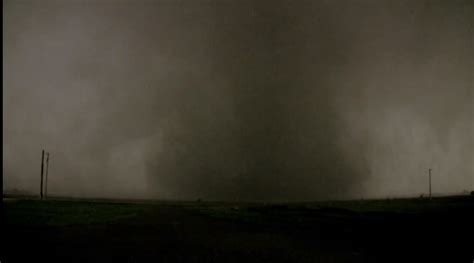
(398, 230)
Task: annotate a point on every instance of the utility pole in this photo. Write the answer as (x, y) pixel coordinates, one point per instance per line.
(42, 165)
(46, 177)
(429, 175)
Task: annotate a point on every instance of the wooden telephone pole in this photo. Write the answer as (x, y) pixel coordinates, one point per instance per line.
(42, 166)
(46, 177)
(429, 175)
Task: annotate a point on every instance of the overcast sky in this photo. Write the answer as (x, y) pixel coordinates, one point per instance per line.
(239, 100)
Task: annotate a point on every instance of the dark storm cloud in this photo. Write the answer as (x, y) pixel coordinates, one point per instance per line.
(238, 100)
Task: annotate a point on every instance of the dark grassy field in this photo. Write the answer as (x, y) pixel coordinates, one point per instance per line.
(398, 230)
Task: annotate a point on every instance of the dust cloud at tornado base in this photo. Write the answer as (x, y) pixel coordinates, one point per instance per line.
(238, 100)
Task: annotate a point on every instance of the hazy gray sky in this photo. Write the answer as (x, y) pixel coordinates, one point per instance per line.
(239, 100)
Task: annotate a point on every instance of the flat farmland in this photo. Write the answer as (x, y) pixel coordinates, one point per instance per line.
(389, 230)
